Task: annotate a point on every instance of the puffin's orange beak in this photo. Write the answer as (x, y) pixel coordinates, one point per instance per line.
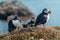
(49, 12)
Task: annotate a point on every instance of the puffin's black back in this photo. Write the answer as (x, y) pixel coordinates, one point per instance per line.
(11, 27)
(41, 19)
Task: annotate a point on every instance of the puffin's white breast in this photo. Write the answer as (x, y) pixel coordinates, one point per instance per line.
(47, 17)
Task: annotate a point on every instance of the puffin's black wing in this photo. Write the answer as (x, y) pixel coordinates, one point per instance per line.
(40, 19)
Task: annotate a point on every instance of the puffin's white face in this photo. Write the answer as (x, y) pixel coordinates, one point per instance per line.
(47, 11)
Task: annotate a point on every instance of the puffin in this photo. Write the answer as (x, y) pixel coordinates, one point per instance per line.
(31, 22)
(18, 22)
(43, 17)
(15, 24)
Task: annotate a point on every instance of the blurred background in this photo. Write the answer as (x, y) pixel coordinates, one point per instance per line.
(36, 7)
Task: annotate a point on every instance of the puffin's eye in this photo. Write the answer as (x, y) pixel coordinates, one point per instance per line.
(45, 11)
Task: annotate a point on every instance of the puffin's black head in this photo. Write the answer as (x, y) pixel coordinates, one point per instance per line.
(46, 11)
